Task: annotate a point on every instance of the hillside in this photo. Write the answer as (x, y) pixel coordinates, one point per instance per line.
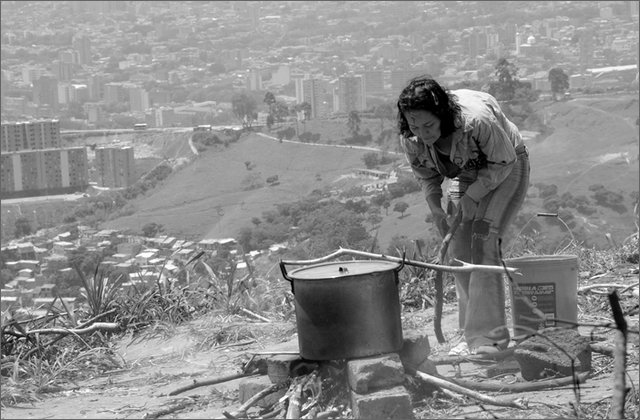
(594, 141)
(210, 197)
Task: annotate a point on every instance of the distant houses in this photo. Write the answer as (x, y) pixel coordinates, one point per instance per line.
(33, 265)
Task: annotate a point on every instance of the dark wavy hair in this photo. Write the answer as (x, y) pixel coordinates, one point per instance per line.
(424, 93)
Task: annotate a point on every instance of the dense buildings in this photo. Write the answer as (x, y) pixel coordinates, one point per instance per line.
(30, 135)
(129, 59)
(43, 172)
(115, 166)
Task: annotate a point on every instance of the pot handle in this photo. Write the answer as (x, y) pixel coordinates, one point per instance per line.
(400, 267)
(285, 275)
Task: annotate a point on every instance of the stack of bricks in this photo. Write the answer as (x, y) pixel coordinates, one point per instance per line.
(376, 383)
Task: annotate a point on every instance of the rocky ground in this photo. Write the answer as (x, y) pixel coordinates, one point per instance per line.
(155, 365)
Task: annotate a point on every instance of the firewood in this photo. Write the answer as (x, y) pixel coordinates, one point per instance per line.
(514, 403)
(241, 412)
(212, 381)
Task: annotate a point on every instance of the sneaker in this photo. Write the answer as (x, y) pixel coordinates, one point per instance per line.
(461, 349)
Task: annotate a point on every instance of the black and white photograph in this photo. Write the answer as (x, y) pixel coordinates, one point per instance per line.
(319, 209)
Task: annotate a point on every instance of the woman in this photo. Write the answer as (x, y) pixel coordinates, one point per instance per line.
(464, 136)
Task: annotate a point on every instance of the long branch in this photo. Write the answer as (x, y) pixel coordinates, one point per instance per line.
(98, 326)
(523, 386)
(470, 393)
(463, 268)
(620, 359)
(212, 381)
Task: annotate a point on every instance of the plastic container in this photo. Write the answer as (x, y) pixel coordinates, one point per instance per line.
(550, 282)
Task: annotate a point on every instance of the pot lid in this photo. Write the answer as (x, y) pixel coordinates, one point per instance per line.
(342, 268)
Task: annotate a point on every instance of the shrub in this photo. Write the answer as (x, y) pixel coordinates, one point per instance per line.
(547, 190)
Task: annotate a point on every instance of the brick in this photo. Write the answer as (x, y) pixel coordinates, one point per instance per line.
(249, 387)
(375, 372)
(279, 366)
(391, 403)
(415, 352)
(539, 358)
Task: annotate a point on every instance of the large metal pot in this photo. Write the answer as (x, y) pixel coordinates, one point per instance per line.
(346, 309)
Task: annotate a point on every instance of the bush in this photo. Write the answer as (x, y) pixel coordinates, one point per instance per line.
(547, 190)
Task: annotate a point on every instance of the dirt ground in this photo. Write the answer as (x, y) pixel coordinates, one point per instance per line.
(156, 366)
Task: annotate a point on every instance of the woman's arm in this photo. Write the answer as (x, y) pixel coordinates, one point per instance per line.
(498, 147)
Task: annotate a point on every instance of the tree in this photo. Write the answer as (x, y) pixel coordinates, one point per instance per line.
(23, 227)
(353, 123)
(386, 204)
(401, 207)
(244, 108)
(306, 108)
(269, 99)
(270, 121)
(505, 87)
(383, 111)
(152, 229)
(559, 82)
(370, 160)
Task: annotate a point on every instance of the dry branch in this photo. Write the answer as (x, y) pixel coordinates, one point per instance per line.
(261, 318)
(463, 268)
(242, 410)
(523, 386)
(620, 359)
(470, 393)
(170, 409)
(212, 381)
(293, 410)
(477, 358)
(98, 326)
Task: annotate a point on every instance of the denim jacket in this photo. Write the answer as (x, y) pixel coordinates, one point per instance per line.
(483, 148)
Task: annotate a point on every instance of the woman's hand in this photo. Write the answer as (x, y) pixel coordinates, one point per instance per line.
(468, 207)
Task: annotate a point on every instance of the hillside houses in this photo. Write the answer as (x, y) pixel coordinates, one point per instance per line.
(31, 268)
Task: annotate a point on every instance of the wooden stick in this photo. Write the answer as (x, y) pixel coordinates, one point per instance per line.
(293, 410)
(261, 318)
(170, 409)
(620, 359)
(212, 381)
(470, 393)
(438, 283)
(98, 326)
(523, 386)
(489, 357)
(242, 410)
(463, 268)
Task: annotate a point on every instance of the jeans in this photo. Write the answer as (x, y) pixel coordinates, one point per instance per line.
(481, 296)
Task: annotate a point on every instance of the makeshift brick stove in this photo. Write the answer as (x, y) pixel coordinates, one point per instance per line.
(369, 387)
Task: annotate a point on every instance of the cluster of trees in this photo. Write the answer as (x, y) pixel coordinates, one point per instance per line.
(317, 226)
(375, 159)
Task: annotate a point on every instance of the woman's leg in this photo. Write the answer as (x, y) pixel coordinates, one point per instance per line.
(485, 322)
(460, 248)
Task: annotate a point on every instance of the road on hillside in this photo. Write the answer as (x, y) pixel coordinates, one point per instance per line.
(373, 149)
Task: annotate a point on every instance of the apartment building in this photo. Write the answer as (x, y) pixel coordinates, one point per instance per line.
(351, 94)
(315, 92)
(43, 172)
(373, 81)
(115, 166)
(30, 135)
